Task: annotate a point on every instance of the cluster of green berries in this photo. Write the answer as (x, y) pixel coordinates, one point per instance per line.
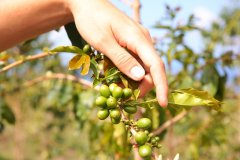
(145, 140)
(110, 100)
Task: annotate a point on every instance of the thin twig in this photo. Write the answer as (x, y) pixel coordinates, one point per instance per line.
(29, 58)
(84, 82)
(170, 123)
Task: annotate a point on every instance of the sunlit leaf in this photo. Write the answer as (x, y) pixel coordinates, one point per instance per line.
(86, 65)
(187, 98)
(4, 56)
(136, 93)
(96, 82)
(69, 49)
(124, 81)
(79, 61)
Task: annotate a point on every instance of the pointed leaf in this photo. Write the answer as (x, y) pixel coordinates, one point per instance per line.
(94, 68)
(136, 93)
(80, 60)
(108, 64)
(124, 81)
(69, 49)
(187, 98)
(86, 64)
(75, 63)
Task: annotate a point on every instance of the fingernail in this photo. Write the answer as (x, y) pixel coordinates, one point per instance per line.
(137, 72)
(164, 101)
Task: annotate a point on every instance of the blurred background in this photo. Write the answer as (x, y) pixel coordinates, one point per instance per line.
(55, 118)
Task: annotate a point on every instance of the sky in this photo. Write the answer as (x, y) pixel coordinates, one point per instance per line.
(152, 11)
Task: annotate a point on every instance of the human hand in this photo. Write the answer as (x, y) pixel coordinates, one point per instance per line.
(112, 32)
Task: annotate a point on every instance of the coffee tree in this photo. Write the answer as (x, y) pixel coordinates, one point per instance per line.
(108, 117)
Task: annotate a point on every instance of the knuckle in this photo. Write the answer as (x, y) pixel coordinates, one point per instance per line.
(146, 31)
(123, 59)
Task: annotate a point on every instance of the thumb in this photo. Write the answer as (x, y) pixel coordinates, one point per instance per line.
(125, 62)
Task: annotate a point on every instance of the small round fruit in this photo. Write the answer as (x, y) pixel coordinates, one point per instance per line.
(86, 48)
(145, 151)
(112, 86)
(157, 138)
(101, 101)
(141, 137)
(127, 93)
(103, 114)
(111, 102)
(115, 121)
(117, 92)
(130, 109)
(115, 113)
(144, 123)
(104, 91)
(153, 141)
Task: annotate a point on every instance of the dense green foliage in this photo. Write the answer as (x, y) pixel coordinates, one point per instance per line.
(56, 118)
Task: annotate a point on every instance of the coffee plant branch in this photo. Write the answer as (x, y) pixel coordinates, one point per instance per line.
(21, 61)
(169, 123)
(85, 83)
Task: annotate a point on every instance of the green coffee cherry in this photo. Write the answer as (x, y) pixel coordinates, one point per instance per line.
(101, 101)
(141, 137)
(144, 123)
(111, 102)
(112, 86)
(145, 151)
(115, 121)
(115, 113)
(153, 141)
(104, 91)
(127, 93)
(117, 92)
(103, 114)
(86, 48)
(130, 109)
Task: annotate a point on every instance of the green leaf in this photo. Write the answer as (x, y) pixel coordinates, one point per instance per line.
(188, 98)
(107, 64)
(136, 93)
(112, 75)
(185, 99)
(124, 81)
(6, 113)
(96, 82)
(69, 49)
(95, 69)
(210, 79)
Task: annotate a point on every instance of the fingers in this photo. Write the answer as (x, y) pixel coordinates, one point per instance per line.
(143, 47)
(125, 62)
(146, 85)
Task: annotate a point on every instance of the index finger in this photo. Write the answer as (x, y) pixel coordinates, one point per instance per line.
(141, 45)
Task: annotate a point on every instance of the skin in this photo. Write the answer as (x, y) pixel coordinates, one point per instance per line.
(101, 24)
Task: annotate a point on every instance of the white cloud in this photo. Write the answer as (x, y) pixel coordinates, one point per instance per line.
(205, 17)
